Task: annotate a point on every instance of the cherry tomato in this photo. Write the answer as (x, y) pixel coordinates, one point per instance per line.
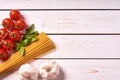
(14, 35)
(20, 24)
(14, 14)
(8, 44)
(3, 33)
(7, 23)
(3, 54)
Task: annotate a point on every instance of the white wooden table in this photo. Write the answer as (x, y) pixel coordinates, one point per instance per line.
(86, 34)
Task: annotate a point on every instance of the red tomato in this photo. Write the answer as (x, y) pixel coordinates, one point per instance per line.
(14, 35)
(3, 54)
(14, 14)
(3, 33)
(7, 23)
(8, 44)
(20, 24)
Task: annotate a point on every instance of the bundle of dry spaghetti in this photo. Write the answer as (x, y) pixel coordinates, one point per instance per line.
(37, 48)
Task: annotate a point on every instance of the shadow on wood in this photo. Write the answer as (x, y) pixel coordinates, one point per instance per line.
(4, 75)
(61, 76)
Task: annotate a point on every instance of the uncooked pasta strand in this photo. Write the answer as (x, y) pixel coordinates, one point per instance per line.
(28, 56)
(37, 48)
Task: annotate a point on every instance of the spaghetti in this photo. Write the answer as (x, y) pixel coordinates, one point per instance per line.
(37, 48)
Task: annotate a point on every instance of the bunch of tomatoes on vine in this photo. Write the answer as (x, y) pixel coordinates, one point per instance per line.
(10, 33)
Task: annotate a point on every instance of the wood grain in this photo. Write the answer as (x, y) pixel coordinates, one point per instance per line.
(84, 46)
(80, 70)
(60, 4)
(84, 29)
(75, 22)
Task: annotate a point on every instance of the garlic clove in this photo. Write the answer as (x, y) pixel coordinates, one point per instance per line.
(49, 70)
(28, 72)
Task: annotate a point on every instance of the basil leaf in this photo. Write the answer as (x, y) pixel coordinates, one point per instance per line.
(25, 36)
(35, 33)
(30, 30)
(30, 36)
(22, 50)
(33, 38)
(29, 40)
(25, 42)
(17, 46)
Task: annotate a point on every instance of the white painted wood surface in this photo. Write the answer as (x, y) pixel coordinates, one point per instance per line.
(85, 46)
(72, 21)
(68, 46)
(80, 70)
(60, 4)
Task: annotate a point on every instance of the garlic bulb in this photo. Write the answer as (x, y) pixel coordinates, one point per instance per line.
(28, 72)
(49, 70)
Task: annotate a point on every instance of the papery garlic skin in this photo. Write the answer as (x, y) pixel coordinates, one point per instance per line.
(49, 70)
(28, 72)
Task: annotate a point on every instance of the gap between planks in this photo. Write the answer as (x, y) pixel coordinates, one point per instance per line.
(63, 9)
(79, 58)
(83, 33)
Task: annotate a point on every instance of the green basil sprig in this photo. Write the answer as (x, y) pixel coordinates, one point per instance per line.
(29, 36)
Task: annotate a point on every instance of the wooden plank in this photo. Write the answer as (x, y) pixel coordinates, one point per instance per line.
(57, 4)
(75, 22)
(85, 46)
(80, 70)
